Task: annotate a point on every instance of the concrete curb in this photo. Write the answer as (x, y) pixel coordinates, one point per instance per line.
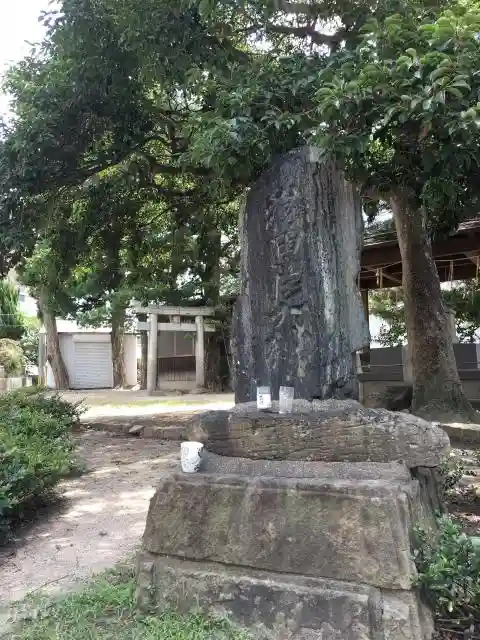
(174, 434)
(143, 427)
(463, 433)
(148, 427)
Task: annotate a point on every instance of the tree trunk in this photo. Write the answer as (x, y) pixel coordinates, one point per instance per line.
(144, 359)
(437, 390)
(118, 353)
(217, 370)
(211, 274)
(54, 355)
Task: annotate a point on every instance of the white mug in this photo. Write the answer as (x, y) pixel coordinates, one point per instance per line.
(191, 456)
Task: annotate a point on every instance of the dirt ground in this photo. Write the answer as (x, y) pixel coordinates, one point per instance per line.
(129, 403)
(100, 519)
(98, 522)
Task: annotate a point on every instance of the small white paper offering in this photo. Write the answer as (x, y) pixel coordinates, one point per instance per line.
(264, 398)
(285, 399)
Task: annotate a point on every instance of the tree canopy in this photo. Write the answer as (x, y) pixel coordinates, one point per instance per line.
(403, 111)
(139, 127)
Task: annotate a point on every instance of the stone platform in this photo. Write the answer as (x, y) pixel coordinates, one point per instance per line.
(294, 549)
(275, 606)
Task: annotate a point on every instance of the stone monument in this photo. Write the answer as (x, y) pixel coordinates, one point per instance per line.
(299, 317)
(298, 526)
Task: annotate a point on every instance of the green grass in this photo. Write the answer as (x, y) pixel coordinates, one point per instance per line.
(105, 610)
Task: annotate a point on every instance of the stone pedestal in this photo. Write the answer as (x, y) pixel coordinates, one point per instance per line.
(297, 549)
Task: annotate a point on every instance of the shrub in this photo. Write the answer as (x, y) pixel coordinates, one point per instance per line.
(11, 357)
(11, 319)
(449, 577)
(451, 472)
(36, 450)
(30, 341)
(52, 404)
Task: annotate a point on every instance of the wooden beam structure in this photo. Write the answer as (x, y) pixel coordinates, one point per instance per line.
(152, 359)
(174, 311)
(456, 258)
(172, 326)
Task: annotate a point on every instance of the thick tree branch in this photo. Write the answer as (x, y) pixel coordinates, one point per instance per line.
(117, 158)
(168, 169)
(297, 8)
(308, 31)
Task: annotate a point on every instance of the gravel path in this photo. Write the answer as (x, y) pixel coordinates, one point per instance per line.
(99, 522)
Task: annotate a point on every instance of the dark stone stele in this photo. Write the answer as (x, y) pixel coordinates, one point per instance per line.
(299, 317)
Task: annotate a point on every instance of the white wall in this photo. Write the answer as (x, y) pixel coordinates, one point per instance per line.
(67, 348)
(26, 303)
(130, 354)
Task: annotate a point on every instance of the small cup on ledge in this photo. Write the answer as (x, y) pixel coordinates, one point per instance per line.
(264, 398)
(191, 456)
(285, 399)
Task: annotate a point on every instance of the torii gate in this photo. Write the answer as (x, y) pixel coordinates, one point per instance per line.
(153, 326)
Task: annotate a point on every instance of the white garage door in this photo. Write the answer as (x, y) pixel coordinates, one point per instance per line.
(92, 367)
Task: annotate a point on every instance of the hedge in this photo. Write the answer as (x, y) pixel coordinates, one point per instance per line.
(36, 450)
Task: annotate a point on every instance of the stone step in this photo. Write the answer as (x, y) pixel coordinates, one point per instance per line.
(340, 433)
(275, 606)
(460, 433)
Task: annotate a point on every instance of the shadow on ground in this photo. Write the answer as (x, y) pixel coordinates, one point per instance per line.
(98, 521)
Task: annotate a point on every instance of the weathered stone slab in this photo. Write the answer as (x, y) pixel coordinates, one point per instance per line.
(343, 435)
(222, 465)
(423, 510)
(299, 317)
(302, 406)
(277, 606)
(332, 527)
(461, 433)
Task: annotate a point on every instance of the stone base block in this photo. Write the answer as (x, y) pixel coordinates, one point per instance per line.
(275, 606)
(344, 523)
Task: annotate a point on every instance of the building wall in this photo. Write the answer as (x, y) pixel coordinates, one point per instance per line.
(386, 370)
(372, 392)
(130, 350)
(67, 348)
(26, 303)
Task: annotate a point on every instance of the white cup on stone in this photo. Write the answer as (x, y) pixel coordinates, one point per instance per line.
(264, 398)
(285, 399)
(191, 456)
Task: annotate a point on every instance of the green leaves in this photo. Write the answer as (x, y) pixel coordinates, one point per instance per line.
(411, 92)
(448, 568)
(122, 122)
(11, 320)
(36, 450)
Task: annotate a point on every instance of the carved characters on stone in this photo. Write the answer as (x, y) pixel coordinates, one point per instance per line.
(299, 316)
